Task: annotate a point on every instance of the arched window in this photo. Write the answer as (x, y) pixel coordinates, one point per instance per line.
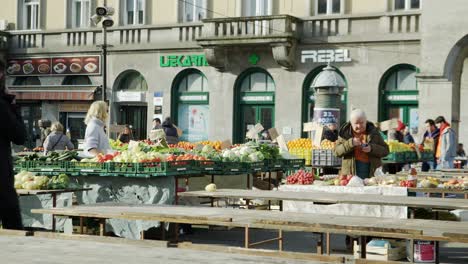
(25, 81)
(399, 96)
(190, 105)
(254, 102)
(132, 81)
(77, 80)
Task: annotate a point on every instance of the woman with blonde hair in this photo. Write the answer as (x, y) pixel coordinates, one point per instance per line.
(96, 140)
(56, 140)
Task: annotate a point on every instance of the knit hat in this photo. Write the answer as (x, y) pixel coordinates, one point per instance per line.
(401, 126)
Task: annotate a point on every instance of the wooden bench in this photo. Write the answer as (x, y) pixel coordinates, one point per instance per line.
(362, 227)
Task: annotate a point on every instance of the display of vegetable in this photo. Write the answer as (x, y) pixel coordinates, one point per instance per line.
(301, 177)
(29, 181)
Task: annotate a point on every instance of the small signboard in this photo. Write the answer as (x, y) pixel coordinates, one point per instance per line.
(253, 132)
(282, 143)
(316, 131)
(273, 133)
(389, 124)
(116, 128)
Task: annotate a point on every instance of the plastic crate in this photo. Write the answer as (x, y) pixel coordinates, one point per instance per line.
(235, 167)
(122, 168)
(256, 166)
(325, 158)
(86, 168)
(208, 166)
(274, 165)
(395, 157)
(293, 163)
(412, 156)
(47, 166)
(303, 154)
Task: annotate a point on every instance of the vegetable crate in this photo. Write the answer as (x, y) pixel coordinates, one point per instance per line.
(325, 158)
(128, 169)
(411, 156)
(87, 168)
(395, 157)
(47, 167)
(305, 154)
(256, 166)
(235, 167)
(208, 166)
(165, 168)
(274, 165)
(427, 156)
(289, 164)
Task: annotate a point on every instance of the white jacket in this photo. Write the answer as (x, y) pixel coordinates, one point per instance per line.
(95, 137)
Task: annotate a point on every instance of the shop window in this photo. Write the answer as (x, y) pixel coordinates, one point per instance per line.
(77, 80)
(328, 7)
(31, 14)
(192, 10)
(81, 13)
(190, 105)
(258, 82)
(399, 96)
(403, 79)
(133, 81)
(26, 81)
(134, 12)
(256, 7)
(407, 4)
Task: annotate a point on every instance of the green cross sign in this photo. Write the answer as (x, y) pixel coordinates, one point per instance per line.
(253, 59)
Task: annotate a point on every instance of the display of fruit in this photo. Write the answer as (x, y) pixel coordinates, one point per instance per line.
(215, 144)
(395, 146)
(343, 180)
(301, 177)
(408, 183)
(455, 184)
(327, 144)
(429, 182)
(300, 143)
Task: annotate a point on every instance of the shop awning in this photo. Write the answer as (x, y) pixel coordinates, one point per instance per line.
(61, 93)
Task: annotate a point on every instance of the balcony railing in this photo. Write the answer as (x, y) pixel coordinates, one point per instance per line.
(363, 27)
(155, 36)
(231, 31)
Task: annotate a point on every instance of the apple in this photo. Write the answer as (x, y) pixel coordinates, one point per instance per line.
(336, 182)
(343, 177)
(343, 182)
(349, 177)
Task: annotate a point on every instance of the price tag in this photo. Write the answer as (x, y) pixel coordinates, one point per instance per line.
(389, 124)
(282, 143)
(308, 127)
(253, 132)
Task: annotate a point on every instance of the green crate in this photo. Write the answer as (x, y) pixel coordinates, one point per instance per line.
(293, 163)
(45, 167)
(274, 165)
(256, 166)
(122, 168)
(87, 168)
(208, 166)
(396, 157)
(235, 167)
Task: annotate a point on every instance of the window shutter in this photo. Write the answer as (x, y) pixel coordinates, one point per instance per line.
(69, 15)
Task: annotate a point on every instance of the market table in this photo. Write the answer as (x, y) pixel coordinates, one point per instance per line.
(335, 198)
(442, 191)
(412, 229)
(53, 193)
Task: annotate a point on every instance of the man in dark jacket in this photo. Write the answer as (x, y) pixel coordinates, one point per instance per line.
(361, 146)
(10, 118)
(431, 137)
(172, 137)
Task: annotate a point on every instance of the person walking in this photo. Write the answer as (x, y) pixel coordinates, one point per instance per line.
(96, 140)
(446, 147)
(56, 140)
(430, 138)
(172, 137)
(14, 131)
(361, 146)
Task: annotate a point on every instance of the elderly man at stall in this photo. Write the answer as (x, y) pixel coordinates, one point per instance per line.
(361, 146)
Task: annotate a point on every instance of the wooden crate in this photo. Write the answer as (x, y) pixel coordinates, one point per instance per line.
(396, 251)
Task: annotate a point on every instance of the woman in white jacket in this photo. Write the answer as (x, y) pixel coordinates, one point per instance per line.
(96, 140)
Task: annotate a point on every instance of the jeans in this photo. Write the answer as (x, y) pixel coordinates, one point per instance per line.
(363, 169)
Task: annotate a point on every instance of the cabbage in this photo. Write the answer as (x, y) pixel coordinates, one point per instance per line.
(207, 149)
(246, 151)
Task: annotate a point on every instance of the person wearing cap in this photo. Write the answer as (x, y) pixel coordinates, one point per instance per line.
(446, 147)
(407, 137)
(397, 134)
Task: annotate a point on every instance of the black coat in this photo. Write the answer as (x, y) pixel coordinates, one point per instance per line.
(13, 131)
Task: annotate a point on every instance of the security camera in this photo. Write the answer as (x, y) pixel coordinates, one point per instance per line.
(107, 22)
(95, 19)
(105, 11)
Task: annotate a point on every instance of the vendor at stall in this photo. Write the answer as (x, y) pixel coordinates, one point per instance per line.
(330, 132)
(361, 146)
(96, 140)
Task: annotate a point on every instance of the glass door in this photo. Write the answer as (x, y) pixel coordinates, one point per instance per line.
(134, 116)
(31, 114)
(253, 114)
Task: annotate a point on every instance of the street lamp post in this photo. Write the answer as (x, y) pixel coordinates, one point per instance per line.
(104, 13)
